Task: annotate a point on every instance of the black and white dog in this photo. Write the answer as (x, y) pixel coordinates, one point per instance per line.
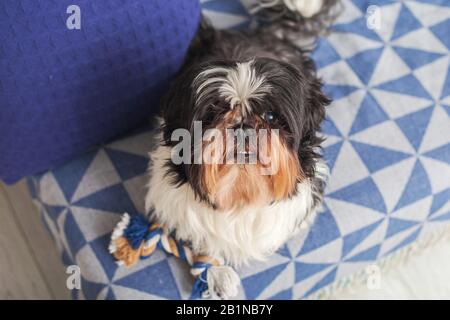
(246, 81)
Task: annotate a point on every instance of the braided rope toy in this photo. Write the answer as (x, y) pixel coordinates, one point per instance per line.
(135, 238)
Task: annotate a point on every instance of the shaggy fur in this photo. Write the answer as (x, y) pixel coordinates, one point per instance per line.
(237, 236)
(278, 18)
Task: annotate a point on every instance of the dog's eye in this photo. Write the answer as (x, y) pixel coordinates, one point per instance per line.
(269, 116)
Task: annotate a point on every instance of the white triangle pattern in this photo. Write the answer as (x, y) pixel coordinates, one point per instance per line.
(373, 239)
(427, 41)
(351, 217)
(343, 111)
(386, 135)
(428, 14)
(397, 105)
(432, 77)
(389, 15)
(100, 169)
(358, 43)
(390, 67)
(438, 173)
(436, 134)
(391, 181)
(347, 169)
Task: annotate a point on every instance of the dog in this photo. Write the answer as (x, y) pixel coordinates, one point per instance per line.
(256, 81)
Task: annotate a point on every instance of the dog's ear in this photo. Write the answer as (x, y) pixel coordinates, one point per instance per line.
(176, 111)
(314, 114)
(316, 101)
(177, 105)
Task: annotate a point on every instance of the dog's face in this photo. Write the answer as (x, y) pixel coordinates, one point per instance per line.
(258, 126)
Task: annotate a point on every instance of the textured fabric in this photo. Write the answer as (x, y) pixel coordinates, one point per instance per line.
(388, 148)
(62, 91)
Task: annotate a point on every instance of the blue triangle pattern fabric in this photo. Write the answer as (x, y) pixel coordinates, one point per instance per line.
(442, 3)
(324, 281)
(368, 195)
(322, 232)
(369, 114)
(447, 109)
(110, 295)
(91, 289)
(329, 128)
(442, 217)
(364, 4)
(446, 88)
(255, 284)
(106, 260)
(439, 200)
(414, 125)
(118, 200)
(32, 185)
(331, 153)
(233, 7)
(66, 259)
(441, 31)
(407, 85)
(418, 186)
(305, 270)
(377, 158)
(338, 91)
(161, 281)
(53, 212)
(372, 135)
(416, 58)
(69, 175)
(408, 240)
(440, 154)
(367, 255)
(358, 27)
(364, 63)
(351, 240)
(406, 22)
(283, 295)
(127, 165)
(398, 225)
(325, 54)
(74, 236)
(284, 252)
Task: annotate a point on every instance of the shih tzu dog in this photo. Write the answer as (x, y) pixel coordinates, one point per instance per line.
(233, 86)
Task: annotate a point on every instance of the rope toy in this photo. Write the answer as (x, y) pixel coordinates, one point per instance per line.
(136, 238)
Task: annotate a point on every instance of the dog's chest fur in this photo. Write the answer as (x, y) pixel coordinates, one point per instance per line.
(237, 237)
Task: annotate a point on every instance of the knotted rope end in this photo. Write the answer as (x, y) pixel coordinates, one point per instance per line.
(136, 238)
(128, 240)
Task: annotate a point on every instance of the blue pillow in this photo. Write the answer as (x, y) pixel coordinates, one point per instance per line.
(64, 89)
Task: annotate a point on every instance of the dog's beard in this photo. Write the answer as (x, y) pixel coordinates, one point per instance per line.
(223, 95)
(272, 176)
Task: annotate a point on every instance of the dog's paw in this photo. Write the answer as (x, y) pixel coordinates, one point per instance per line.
(223, 282)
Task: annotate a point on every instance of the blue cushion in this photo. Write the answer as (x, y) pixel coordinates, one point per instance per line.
(62, 91)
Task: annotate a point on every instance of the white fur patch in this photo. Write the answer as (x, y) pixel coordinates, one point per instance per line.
(118, 231)
(237, 237)
(306, 8)
(236, 85)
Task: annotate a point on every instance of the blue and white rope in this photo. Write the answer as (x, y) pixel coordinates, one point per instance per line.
(136, 238)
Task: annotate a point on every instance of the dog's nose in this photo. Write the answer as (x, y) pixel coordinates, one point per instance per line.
(243, 131)
(243, 126)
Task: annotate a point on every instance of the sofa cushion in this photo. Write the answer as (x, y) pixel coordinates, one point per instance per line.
(387, 148)
(63, 90)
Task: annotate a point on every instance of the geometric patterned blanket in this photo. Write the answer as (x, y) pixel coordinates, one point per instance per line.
(388, 148)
